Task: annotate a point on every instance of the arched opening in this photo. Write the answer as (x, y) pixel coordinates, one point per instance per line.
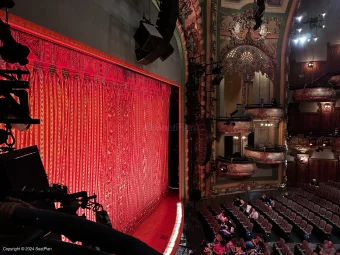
(249, 79)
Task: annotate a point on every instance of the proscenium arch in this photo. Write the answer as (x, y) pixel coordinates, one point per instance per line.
(183, 53)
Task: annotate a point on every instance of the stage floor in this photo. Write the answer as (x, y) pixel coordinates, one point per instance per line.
(157, 228)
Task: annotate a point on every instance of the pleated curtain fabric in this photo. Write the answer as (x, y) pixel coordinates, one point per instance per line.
(104, 129)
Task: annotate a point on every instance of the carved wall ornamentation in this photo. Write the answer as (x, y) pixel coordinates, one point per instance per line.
(265, 157)
(213, 29)
(247, 60)
(191, 20)
(314, 95)
(236, 31)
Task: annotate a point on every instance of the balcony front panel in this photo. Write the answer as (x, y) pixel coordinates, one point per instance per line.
(242, 127)
(265, 157)
(335, 80)
(314, 95)
(236, 168)
(298, 145)
(241, 170)
(263, 113)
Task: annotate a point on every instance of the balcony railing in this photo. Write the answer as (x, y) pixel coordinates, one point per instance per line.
(266, 155)
(275, 148)
(270, 106)
(232, 160)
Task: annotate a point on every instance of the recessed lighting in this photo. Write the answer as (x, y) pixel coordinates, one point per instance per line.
(303, 39)
(299, 18)
(323, 14)
(299, 30)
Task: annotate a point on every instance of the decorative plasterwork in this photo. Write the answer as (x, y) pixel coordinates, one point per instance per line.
(265, 157)
(236, 170)
(247, 60)
(237, 37)
(191, 20)
(190, 17)
(240, 170)
(213, 29)
(264, 113)
(273, 6)
(242, 127)
(298, 145)
(314, 95)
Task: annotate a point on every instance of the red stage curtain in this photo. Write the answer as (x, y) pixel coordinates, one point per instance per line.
(104, 129)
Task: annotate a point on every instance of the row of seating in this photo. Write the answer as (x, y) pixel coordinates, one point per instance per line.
(329, 188)
(209, 222)
(333, 197)
(240, 217)
(280, 248)
(304, 217)
(303, 249)
(261, 222)
(297, 220)
(330, 206)
(334, 184)
(323, 213)
(265, 225)
(272, 216)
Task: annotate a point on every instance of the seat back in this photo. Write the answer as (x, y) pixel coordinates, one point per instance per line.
(311, 215)
(289, 228)
(322, 224)
(280, 243)
(335, 219)
(304, 245)
(322, 211)
(309, 251)
(316, 220)
(303, 224)
(328, 229)
(298, 219)
(309, 229)
(329, 215)
(316, 208)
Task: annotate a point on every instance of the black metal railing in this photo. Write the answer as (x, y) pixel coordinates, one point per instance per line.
(297, 87)
(254, 106)
(224, 119)
(314, 134)
(275, 148)
(231, 160)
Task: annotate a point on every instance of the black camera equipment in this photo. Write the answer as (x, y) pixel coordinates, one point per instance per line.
(11, 51)
(259, 10)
